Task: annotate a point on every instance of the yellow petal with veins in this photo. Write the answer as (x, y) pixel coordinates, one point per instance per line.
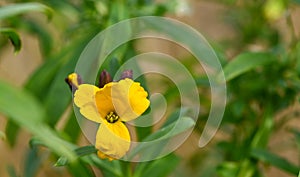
(112, 140)
(84, 98)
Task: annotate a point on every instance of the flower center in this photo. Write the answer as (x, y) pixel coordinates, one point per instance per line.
(112, 117)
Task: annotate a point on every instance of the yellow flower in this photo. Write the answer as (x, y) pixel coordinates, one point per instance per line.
(73, 80)
(115, 103)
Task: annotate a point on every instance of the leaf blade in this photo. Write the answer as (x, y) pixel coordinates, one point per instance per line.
(274, 160)
(154, 169)
(21, 107)
(20, 8)
(14, 38)
(245, 62)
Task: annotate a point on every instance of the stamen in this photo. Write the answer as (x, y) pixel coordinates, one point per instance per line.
(112, 117)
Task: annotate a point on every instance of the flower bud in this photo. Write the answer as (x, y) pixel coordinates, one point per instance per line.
(73, 80)
(104, 78)
(127, 74)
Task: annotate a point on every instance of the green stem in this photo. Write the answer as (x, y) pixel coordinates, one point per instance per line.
(260, 140)
(247, 169)
(126, 169)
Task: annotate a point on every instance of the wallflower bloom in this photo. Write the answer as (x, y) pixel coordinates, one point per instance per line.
(115, 103)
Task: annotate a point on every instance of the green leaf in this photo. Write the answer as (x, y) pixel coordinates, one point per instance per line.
(38, 85)
(264, 131)
(228, 169)
(33, 163)
(41, 79)
(87, 154)
(72, 128)
(114, 65)
(92, 159)
(175, 116)
(158, 168)
(59, 90)
(13, 36)
(21, 107)
(43, 34)
(86, 150)
(113, 167)
(273, 159)
(62, 161)
(169, 130)
(79, 169)
(162, 137)
(20, 8)
(81, 151)
(245, 62)
(118, 12)
(11, 131)
(246, 169)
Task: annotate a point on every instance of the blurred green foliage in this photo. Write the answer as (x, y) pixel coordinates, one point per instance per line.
(260, 84)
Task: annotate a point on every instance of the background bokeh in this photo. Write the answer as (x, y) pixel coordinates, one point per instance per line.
(260, 131)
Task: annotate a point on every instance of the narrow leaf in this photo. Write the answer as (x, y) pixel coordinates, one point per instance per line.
(161, 138)
(59, 89)
(111, 166)
(79, 169)
(245, 62)
(72, 129)
(81, 151)
(86, 150)
(91, 159)
(40, 80)
(175, 116)
(228, 169)
(11, 131)
(20, 8)
(274, 160)
(159, 167)
(13, 36)
(21, 107)
(33, 163)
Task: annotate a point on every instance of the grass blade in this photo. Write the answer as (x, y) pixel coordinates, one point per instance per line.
(273, 159)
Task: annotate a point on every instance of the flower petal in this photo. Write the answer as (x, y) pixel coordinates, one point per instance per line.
(84, 98)
(112, 140)
(104, 156)
(126, 97)
(104, 101)
(129, 99)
